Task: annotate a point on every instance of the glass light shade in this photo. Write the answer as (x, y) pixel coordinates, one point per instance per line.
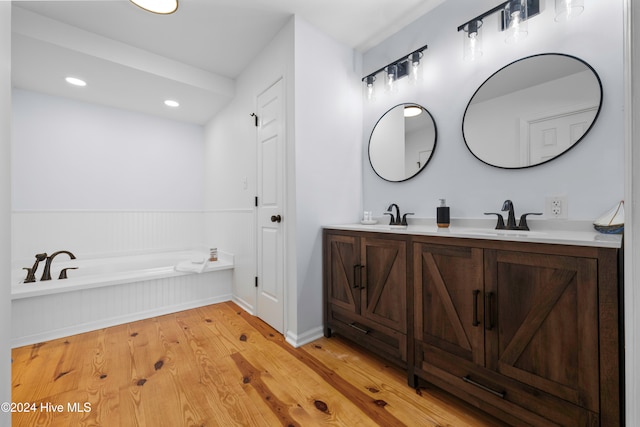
(515, 21)
(392, 76)
(472, 42)
(163, 7)
(415, 68)
(568, 9)
(369, 88)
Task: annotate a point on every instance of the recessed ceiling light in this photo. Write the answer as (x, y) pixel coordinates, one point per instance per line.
(163, 7)
(75, 81)
(171, 103)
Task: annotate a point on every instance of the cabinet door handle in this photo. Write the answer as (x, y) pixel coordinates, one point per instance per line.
(362, 286)
(489, 314)
(500, 394)
(476, 322)
(356, 282)
(357, 328)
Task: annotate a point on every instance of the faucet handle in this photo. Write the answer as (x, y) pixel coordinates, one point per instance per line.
(522, 225)
(404, 218)
(500, 224)
(391, 221)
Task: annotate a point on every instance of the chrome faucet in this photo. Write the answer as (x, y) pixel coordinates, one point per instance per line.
(46, 274)
(507, 206)
(31, 272)
(397, 220)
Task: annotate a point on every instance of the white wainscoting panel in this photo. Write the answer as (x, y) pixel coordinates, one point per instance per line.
(58, 315)
(104, 233)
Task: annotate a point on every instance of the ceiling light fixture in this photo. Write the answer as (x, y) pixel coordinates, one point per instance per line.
(75, 81)
(408, 65)
(171, 103)
(162, 7)
(412, 111)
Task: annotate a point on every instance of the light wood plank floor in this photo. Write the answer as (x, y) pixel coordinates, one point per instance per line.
(217, 366)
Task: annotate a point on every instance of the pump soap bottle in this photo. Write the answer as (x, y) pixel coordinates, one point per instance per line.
(442, 214)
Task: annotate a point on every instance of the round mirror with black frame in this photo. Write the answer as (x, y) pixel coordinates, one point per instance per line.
(532, 111)
(402, 142)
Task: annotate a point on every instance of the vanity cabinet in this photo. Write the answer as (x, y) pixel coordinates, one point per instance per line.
(365, 291)
(527, 332)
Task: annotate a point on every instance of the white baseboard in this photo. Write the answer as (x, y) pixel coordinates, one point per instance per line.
(305, 337)
(244, 305)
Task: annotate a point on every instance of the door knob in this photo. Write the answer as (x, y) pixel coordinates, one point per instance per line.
(276, 218)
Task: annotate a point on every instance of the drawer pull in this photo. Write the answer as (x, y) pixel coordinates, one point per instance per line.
(476, 322)
(500, 394)
(489, 301)
(357, 328)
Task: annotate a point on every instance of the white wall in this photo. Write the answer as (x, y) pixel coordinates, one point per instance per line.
(5, 208)
(230, 158)
(632, 206)
(98, 180)
(323, 143)
(328, 135)
(591, 175)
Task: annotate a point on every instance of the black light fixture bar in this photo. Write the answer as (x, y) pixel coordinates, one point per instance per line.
(401, 63)
(533, 7)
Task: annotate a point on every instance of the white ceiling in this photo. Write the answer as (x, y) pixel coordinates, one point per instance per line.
(134, 59)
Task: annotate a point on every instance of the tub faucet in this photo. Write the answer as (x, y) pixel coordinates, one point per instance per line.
(46, 274)
(31, 272)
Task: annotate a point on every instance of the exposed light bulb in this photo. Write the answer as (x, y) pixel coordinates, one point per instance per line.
(472, 43)
(515, 24)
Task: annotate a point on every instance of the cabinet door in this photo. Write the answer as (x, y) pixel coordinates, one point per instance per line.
(448, 299)
(384, 282)
(545, 309)
(343, 288)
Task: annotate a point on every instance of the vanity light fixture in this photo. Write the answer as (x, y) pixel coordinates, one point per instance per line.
(514, 16)
(171, 103)
(161, 7)
(75, 81)
(472, 42)
(568, 9)
(408, 65)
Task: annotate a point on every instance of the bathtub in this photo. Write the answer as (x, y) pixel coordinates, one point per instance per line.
(112, 290)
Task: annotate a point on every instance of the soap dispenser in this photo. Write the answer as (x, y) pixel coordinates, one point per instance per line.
(442, 214)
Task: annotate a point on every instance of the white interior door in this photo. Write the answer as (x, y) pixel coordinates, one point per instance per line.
(270, 239)
(553, 135)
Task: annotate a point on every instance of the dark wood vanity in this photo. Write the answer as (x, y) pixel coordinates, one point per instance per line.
(528, 332)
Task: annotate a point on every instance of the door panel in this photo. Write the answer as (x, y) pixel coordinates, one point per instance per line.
(450, 312)
(548, 317)
(344, 268)
(384, 282)
(270, 231)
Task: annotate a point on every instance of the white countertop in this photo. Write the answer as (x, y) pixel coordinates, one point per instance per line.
(575, 233)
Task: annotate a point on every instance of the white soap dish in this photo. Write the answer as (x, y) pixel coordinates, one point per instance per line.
(368, 221)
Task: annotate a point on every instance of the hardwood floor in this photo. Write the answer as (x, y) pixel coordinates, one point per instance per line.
(217, 366)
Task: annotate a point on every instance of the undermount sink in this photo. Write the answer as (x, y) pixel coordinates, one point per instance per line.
(516, 233)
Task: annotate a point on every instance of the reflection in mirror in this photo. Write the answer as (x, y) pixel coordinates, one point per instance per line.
(402, 142)
(532, 111)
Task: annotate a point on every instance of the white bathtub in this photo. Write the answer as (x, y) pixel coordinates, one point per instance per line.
(112, 290)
